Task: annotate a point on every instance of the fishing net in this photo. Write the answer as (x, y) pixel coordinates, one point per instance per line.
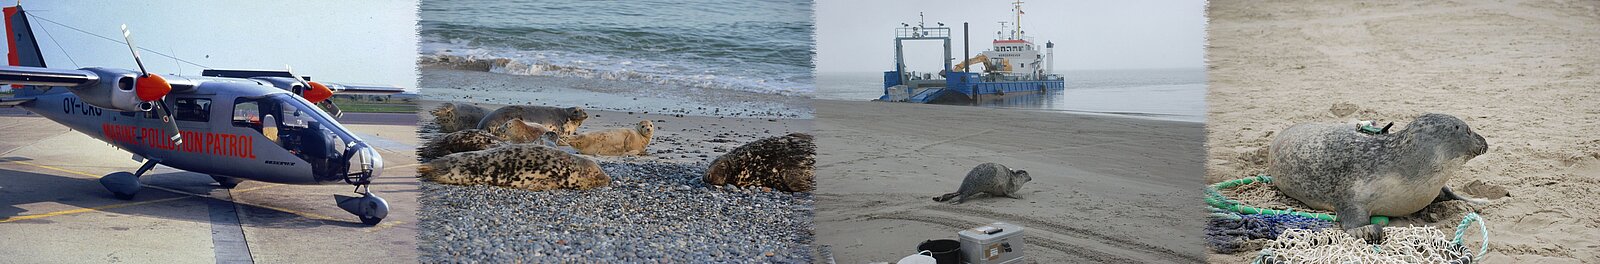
(1286, 235)
(1232, 233)
(1331, 245)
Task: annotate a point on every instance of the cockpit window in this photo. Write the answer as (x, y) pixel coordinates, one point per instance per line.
(192, 109)
(247, 113)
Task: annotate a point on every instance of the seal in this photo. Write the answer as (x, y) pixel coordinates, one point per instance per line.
(457, 142)
(525, 166)
(516, 131)
(785, 163)
(1336, 167)
(615, 141)
(991, 178)
(564, 121)
(453, 117)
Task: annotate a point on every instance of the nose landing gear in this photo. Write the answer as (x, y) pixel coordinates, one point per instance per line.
(369, 207)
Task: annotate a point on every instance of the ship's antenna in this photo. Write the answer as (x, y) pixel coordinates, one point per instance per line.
(922, 21)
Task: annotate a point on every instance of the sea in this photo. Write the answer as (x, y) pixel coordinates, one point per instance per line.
(1168, 94)
(751, 46)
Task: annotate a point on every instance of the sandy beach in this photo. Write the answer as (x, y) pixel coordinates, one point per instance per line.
(1105, 189)
(656, 208)
(1521, 73)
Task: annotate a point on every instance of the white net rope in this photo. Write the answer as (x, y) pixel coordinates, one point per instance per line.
(1400, 245)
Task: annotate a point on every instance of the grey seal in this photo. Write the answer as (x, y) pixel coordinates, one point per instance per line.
(526, 166)
(1335, 167)
(564, 121)
(785, 163)
(991, 178)
(457, 142)
(453, 117)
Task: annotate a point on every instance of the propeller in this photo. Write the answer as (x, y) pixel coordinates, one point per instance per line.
(152, 88)
(317, 93)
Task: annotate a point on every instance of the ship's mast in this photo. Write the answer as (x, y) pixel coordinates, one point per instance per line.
(1016, 7)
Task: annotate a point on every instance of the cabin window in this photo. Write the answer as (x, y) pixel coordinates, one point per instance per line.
(192, 109)
(247, 113)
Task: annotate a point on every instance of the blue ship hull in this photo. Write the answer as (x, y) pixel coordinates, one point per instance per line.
(963, 87)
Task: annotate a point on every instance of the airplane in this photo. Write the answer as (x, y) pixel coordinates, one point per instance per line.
(233, 125)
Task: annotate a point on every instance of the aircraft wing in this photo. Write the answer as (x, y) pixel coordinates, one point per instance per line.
(339, 88)
(24, 75)
(13, 102)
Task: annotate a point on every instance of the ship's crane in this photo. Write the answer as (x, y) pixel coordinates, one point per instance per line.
(1003, 65)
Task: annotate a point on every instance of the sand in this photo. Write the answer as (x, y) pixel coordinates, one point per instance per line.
(1104, 189)
(1521, 73)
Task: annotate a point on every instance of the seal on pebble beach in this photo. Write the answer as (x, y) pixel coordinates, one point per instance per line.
(616, 141)
(564, 121)
(453, 117)
(524, 166)
(1335, 167)
(991, 178)
(516, 131)
(785, 163)
(457, 142)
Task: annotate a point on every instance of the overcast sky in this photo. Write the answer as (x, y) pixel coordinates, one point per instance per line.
(371, 42)
(858, 36)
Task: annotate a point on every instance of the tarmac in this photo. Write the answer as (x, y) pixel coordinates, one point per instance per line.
(53, 210)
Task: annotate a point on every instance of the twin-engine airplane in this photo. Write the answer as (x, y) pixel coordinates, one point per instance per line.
(234, 125)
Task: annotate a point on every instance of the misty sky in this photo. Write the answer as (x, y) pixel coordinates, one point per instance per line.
(369, 42)
(858, 36)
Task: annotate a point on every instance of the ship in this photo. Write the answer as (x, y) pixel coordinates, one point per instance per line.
(1013, 67)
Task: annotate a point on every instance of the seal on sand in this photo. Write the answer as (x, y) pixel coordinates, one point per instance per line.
(991, 178)
(785, 163)
(525, 166)
(457, 142)
(517, 131)
(1335, 167)
(616, 141)
(453, 117)
(564, 121)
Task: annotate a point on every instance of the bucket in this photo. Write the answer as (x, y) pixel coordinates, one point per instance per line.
(945, 251)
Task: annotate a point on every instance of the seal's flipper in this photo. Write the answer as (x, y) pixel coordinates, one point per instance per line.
(1357, 222)
(1445, 194)
(946, 197)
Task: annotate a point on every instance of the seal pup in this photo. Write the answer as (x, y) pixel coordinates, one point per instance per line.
(516, 131)
(564, 121)
(453, 117)
(785, 163)
(1335, 167)
(457, 142)
(991, 178)
(615, 141)
(524, 166)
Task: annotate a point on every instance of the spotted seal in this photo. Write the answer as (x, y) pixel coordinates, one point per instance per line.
(991, 178)
(457, 142)
(1336, 167)
(525, 166)
(453, 117)
(516, 131)
(785, 163)
(564, 121)
(616, 141)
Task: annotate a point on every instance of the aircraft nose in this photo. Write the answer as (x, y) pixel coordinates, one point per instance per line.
(377, 161)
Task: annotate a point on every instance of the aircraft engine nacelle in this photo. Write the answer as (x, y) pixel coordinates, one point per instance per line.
(122, 90)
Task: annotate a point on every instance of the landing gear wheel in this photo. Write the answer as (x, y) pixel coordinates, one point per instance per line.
(369, 207)
(122, 184)
(227, 182)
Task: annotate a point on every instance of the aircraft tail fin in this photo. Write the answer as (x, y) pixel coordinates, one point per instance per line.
(24, 48)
